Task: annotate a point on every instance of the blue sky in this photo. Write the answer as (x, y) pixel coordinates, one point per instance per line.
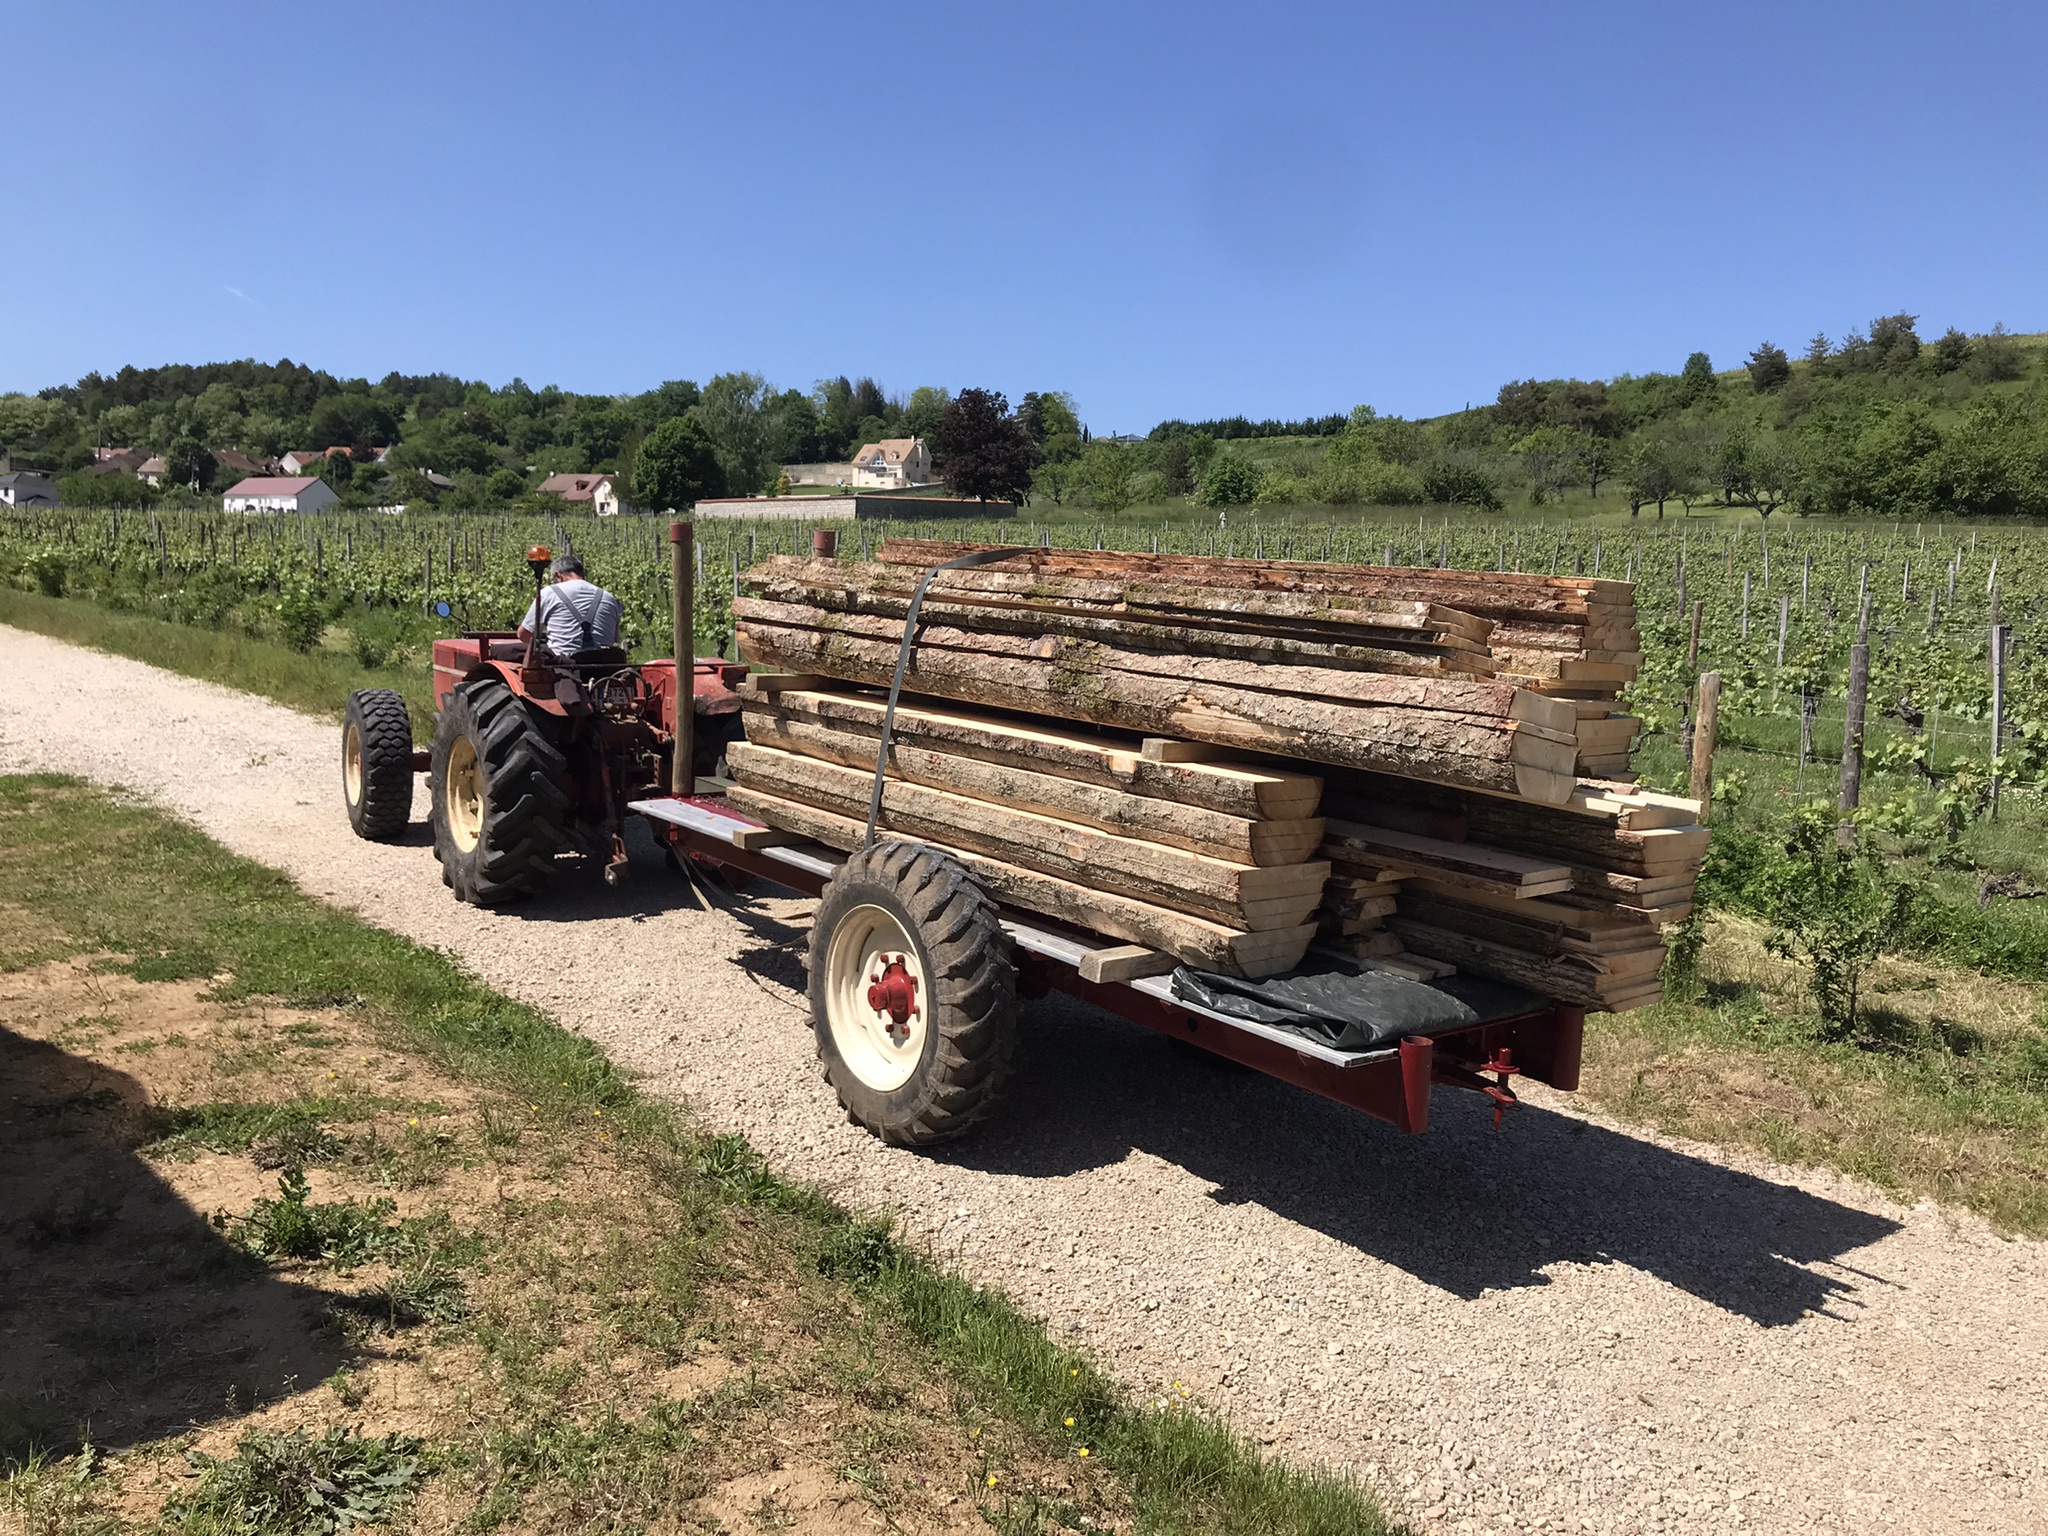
(1189, 210)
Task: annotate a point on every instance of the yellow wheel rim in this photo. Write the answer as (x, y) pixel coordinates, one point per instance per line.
(352, 764)
(464, 795)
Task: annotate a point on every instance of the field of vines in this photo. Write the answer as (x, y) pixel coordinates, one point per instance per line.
(1778, 602)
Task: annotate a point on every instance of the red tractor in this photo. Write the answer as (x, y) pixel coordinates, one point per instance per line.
(533, 756)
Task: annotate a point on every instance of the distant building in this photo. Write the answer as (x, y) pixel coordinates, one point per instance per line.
(117, 461)
(26, 488)
(893, 463)
(307, 461)
(600, 492)
(232, 461)
(151, 469)
(278, 493)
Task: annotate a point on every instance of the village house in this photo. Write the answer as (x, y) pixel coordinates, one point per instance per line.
(278, 493)
(600, 492)
(26, 488)
(893, 463)
(303, 461)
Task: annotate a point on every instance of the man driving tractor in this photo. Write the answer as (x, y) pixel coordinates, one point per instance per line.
(576, 614)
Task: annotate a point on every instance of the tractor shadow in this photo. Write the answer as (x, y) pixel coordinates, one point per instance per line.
(1466, 1208)
(126, 1316)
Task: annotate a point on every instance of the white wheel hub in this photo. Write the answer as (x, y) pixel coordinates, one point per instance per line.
(877, 999)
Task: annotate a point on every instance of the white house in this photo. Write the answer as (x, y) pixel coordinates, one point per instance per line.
(893, 463)
(600, 492)
(26, 488)
(277, 493)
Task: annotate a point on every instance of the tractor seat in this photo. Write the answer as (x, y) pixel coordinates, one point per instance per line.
(599, 660)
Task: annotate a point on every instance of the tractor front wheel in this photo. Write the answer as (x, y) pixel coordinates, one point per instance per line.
(376, 763)
(501, 795)
(913, 993)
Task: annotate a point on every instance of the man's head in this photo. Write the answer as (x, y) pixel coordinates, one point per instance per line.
(566, 566)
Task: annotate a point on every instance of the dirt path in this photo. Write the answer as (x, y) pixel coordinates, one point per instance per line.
(1561, 1325)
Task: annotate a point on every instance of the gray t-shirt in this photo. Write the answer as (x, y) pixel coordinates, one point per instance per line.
(567, 606)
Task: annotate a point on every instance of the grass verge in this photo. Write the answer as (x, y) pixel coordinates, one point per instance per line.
(576, 1244)
(317, 681)
(1946, 1097)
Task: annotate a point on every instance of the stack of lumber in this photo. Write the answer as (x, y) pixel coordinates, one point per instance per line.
(1567, 900)
(1464, 808)
(1238, 654)
(1570, 637)
(1205, 863)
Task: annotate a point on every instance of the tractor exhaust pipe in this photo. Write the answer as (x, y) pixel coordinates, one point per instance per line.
(682, 774)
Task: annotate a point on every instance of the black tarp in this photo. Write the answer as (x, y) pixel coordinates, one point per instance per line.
(1340, 1006)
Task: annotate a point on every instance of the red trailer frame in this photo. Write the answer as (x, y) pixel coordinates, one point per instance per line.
(1391, 1083)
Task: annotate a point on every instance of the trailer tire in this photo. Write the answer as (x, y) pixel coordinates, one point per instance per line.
(501, 795)
(376, 763)
(924, 1061)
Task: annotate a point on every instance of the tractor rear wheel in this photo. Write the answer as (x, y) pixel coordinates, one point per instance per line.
(501, 795)
(913, 993)
(376, 763)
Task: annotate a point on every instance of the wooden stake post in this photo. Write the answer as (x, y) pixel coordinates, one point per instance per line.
(1703, 740)
(682, 537)
(1852, 720)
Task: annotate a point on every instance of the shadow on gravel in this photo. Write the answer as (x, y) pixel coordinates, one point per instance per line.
(1466, 1207)
(126, 1316)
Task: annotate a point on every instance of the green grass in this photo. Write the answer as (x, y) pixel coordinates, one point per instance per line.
(1945, 1093)
(115, 876)
(318, 682)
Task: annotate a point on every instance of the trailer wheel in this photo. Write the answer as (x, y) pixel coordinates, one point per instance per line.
(501, 795)
(376, 763)
(913, 993)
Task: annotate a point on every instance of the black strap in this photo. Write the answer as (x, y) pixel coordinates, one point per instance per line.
(589, 631)
(965, 562)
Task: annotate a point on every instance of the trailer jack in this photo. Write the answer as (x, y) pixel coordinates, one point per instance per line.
(1501, 1064)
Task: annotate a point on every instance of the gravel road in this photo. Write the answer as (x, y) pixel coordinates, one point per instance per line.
(1561, 1325)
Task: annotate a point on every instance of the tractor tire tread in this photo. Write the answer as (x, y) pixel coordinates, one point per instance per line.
(526, 809)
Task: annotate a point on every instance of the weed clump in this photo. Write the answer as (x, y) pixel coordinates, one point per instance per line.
(296, 1485)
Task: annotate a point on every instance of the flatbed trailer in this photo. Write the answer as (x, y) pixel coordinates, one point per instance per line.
(1538, 1038)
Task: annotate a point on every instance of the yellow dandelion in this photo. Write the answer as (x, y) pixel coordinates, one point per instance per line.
(1074, 1371)
(991, 1479)
(415, 1120)
(597, 1114)
(1070, 1421)
(1084, 1450)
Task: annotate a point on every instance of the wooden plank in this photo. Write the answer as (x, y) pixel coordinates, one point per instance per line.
(1234, 895)
(1432, 856)
(754, 839)
(1125, 962)
(1413, 742)
(1407, 654)
(1480, 698)
(1234, 789)
(778, 682)
(1564, 978)
(1192, 940)
(1235, 839)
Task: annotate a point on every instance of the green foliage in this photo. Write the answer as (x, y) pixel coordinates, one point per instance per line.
(48, 570)
(186, 462)
(1696, 382)
(1230, 482)
(1461, 481)
(1106, 467)
(677, 466)
(292, 1484)
(1834, 905)
(301, 615)
(1769, 368)
(345, 1233)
